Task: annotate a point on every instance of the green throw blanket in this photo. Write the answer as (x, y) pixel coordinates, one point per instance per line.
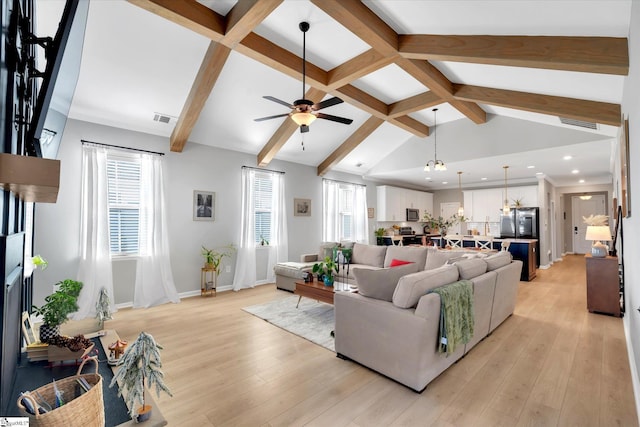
(456, 315)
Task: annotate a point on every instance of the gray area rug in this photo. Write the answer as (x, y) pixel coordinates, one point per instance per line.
(312, 320)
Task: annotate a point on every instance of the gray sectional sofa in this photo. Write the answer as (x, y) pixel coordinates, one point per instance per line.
(392, 324)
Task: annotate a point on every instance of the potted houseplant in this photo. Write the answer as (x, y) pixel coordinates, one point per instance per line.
(140, 363)
(440, 224)
(326, 269)
(57, 307)
(379, 236)
(213, 257)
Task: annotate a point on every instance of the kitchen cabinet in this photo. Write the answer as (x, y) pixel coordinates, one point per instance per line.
(485, 205)
(603, 285)
(393, 201)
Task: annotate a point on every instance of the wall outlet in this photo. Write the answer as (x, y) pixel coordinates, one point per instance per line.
(228, 269)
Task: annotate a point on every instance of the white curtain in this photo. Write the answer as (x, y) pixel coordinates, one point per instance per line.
(154, 277)
(95, 261)
(279, 246)
(331, 211)
(334, 207)
(245, 274)
(360, 217)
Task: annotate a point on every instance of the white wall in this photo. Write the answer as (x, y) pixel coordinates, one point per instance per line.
(631, 247)
(198, 167)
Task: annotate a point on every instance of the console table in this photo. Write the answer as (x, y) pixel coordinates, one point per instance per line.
(603, 285)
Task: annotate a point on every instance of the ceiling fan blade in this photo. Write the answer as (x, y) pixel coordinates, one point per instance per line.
(334, 118)
(261, 119)
(327, 103)
(279, 101)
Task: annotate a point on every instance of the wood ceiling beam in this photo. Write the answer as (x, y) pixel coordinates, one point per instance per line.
(189, 14)
(605, 55)
(589, 111)
(413, 104)
(350, 144)
(431, 77)
(262, 50)
(210, 69)
(363, 64)
(244, 17)
(284, 132)
(362, 22)
(411, 125)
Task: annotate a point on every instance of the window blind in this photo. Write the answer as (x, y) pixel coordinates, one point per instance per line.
(123, 182)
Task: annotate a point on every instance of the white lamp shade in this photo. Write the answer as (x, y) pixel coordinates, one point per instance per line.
(598, 233)
(303, 118)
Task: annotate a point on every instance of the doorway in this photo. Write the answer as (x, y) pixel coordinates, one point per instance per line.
(447, 210)
(584, 208)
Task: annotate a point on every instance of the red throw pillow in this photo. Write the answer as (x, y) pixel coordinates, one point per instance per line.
(397, 262)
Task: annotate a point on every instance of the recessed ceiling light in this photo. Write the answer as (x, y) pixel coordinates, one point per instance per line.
(539, 173)
(575, 171)
(567, 158)
(581, 181)
(428, 178)
(445, 182)
(530, 167)
(483, 179)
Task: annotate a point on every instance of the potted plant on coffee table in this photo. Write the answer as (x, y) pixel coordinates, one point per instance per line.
(326, 269)
(57, 308)
(140, 364)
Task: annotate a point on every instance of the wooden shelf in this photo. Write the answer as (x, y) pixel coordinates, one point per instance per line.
(32, 179)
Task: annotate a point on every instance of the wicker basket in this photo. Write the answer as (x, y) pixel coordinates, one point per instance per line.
(86, 410)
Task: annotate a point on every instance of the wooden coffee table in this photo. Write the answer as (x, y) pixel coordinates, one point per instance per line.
(316, 290)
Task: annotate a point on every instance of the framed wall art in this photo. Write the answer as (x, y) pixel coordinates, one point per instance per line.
(204, 205)
(301, 207)
(625, 176)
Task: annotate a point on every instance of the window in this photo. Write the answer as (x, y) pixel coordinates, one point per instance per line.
(123, 186)
(345, 210)
(263, 196)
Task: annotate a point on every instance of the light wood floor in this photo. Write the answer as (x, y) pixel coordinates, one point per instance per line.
(551, 363)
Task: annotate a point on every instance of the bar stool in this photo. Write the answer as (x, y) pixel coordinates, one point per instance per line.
(505, 246)
(483, 242)
(453, 240)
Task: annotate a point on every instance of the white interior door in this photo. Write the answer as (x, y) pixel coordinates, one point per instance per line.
(580, 208)
(447, 210)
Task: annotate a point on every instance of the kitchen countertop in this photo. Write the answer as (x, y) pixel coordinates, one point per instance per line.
(498, 239)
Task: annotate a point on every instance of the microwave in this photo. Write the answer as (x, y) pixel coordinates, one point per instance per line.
(413, 214)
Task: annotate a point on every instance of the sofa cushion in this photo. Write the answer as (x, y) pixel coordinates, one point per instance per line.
(406, 253)
(413, 286)
(498, 260)
(399, 262)
(470, 268)
(437, 258)
(381, 283)
(368, 254)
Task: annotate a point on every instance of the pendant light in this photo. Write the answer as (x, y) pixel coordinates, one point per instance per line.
(461, 208)
(505, 208)
(438, 165)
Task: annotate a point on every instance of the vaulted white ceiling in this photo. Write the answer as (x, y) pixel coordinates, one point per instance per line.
(137, 63)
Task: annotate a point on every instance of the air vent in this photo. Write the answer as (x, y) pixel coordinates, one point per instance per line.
(162, 118)
(579, 123)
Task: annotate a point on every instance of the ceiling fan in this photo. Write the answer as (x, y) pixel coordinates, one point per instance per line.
(304, 111)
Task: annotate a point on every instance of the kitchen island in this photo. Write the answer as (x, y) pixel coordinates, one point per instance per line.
(525, 250)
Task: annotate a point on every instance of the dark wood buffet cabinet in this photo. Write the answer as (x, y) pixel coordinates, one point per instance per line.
(603, 285)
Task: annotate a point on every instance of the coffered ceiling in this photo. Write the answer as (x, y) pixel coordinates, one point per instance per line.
(501, 74)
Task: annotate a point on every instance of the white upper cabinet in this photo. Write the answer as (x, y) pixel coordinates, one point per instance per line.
(485, 205)
(393, 202)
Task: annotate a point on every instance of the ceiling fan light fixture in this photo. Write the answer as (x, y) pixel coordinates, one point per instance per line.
(303, 119)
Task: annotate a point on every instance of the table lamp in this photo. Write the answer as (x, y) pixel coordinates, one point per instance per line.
(598, 233)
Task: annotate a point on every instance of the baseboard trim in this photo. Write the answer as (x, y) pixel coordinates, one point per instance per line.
(632, 366)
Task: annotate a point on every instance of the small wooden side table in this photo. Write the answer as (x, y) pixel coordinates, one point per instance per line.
(208, 287)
